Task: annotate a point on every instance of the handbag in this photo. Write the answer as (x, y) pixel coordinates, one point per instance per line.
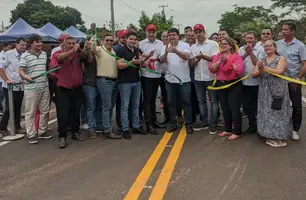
(277, 100)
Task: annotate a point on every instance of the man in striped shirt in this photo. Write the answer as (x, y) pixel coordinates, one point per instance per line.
(36, 92)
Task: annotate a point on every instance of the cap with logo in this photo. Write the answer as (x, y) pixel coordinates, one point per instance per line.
(122, 33)
(151, 27)
(198, 27)
(63, 36)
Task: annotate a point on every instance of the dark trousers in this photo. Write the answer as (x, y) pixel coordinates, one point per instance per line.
(52, 89)
(296, 99)
(164, 95)
(230, 100)
(18, 97)
(176, 92)
(68, 109)
(249, 103)
(149, 88)
(118, 110)
(194, 104)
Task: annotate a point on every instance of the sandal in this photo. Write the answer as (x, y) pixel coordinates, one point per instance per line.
(223, 134)
(276, 143)
(233, 137)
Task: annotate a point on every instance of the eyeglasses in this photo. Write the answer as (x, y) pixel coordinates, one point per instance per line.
(109, 40)
(265, 33)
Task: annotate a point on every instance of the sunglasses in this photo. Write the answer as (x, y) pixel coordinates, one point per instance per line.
(109, 40)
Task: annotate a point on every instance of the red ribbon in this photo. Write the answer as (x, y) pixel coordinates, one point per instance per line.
(151, 64)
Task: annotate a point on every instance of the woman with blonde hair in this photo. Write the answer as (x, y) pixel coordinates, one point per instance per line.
(228, 67)
(274, 110)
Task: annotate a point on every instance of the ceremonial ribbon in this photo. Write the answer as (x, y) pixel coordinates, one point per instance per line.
(245, 77)
(35, 77)
(144, 69)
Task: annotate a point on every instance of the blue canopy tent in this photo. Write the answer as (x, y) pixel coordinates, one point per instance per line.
(51, 30)
(74, 32)
(22, 29)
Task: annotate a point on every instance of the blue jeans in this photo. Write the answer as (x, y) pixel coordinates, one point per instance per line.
(130, 97)
(201, 88)
(94, 107)
(181, 93)
(108, 93)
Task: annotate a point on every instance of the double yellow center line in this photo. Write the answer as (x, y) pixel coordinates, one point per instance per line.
(161, 185)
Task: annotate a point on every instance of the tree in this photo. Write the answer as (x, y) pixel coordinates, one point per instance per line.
(293, 7)
(159, 19)
(39, 12)
(247, 19)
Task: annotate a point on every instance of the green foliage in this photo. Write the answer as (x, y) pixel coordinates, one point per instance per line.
(39, 12)
(159, 19)
(243, 19)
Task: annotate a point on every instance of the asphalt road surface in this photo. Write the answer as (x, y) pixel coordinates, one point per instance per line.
(171, 166)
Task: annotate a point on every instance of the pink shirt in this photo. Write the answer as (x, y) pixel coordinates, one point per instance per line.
(225, 71)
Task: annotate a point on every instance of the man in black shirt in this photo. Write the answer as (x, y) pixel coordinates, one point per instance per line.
(129, 84)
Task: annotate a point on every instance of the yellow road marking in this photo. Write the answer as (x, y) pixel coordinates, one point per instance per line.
(145, 173)
(161, 185)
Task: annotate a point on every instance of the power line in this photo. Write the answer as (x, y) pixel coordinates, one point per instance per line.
(129, 7)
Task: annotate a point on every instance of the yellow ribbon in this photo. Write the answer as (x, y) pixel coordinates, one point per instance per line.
(245, 77)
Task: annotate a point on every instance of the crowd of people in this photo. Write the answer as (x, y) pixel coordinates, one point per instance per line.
(94, 77)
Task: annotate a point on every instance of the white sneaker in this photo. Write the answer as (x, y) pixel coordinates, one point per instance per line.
(295, 136)
(84, 126)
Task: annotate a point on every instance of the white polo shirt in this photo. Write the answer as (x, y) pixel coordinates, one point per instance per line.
(259, 53)
(208, 48)
(9, 61)
(146, 46)
(177, 66)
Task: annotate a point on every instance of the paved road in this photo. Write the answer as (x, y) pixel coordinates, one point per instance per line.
(179, 167)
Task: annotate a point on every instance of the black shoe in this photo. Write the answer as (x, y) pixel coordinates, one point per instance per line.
(250, 131)
(180, 120)
(139, 131)
(213, 130)
(33, 140)
(171, 128)
(200, 127)
(150, 129)
(45, 136)
(62, 143)
(127, 135)
(113, 135)
(156, 124)
(189, 129)
(77, 136)
(166, 121)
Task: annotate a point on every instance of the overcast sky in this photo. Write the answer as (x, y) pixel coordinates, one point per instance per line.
(185, 12)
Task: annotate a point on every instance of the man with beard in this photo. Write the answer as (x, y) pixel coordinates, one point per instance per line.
(250, 53)
(175, 56)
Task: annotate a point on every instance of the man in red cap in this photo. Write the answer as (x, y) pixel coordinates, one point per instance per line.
(149, 80)
(61, 39)
(202, 54)
(121, 35)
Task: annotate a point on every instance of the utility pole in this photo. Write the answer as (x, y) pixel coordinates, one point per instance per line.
(178, 26)
(163, 11)
(113, 17)
(2, 26)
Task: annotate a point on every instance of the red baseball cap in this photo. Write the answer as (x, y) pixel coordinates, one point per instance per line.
(122, 33)
(151, 27)
(63, 36)
(198, 27)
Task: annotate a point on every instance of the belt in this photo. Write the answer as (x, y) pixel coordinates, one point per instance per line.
(107, 78)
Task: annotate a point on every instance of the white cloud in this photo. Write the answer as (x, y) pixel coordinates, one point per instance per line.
(186, 12)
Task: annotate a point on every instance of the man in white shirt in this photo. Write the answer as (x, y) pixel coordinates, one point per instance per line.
(202, 54)
(9, 72)
(150, 81)
(175, 56)
(251, 53)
